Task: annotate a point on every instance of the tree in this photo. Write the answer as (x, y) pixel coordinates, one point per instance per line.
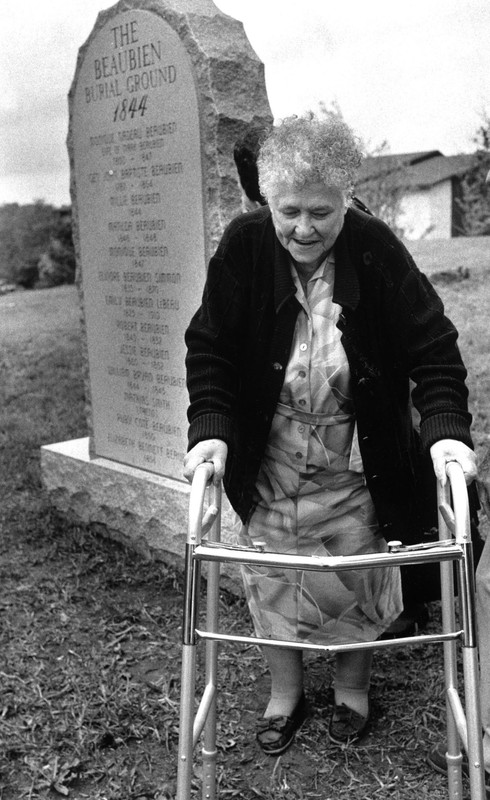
(24, 235)
(383, 178)
(382, 184)
(57, 264)
(474, 202)
(33, 237)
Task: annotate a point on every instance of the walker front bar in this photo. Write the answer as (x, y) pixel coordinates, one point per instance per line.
(377, 644)
(438, 552)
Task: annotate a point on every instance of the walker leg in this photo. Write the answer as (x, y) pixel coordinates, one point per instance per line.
(209, 751)
(454, 757)
(188, 680)
(185, 760)
(475, 741)
(471, 674)
(470, 728)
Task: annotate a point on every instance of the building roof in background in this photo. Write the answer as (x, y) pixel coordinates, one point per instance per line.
(373, 166)
(439, 169)
(415, 170)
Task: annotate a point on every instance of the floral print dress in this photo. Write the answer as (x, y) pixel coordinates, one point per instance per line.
(311, 498)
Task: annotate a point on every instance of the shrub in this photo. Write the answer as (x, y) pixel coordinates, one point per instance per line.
(57, 264)
(29, 232)
(475, 188)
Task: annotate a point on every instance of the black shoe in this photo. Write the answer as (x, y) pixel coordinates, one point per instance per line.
(275, 734)
(437, 760)
(346, 725)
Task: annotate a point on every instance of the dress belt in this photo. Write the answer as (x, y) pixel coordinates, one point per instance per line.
(309, 418)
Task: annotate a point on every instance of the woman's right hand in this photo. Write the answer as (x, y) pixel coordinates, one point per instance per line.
(213, 450)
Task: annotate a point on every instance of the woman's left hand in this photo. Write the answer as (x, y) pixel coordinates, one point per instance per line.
(452, 450)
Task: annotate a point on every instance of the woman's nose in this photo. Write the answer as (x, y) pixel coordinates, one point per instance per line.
(304, 224)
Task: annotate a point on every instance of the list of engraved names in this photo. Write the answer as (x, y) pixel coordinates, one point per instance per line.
(139, 197)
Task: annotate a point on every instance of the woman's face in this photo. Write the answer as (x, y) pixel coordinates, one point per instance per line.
(307, 221)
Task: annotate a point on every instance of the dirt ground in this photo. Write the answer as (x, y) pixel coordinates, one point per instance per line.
(91, 685)
(90, 637)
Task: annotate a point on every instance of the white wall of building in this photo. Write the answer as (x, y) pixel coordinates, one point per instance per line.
(426, 213)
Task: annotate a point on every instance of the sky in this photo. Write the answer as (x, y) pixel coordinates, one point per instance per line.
(412, 73)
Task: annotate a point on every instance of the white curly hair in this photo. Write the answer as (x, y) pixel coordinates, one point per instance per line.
(309, 149)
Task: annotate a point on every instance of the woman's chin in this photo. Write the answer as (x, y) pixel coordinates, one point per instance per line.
(308, 259)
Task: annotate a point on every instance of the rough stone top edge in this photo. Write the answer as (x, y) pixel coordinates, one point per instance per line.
(179, 11)
(205, 8)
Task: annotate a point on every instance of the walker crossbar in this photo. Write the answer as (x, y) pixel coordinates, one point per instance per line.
(328, 563)
(332, 648)
(454, 547)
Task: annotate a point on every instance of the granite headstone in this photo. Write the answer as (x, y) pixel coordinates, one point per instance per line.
(151, 139)
(162, 91)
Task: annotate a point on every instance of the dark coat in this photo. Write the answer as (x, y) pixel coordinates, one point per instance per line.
(395, 336)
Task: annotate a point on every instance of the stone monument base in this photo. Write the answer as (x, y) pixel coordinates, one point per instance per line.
(141, 510)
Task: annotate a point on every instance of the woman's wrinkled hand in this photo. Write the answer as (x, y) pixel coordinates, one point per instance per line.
(213, 450)
(452, 450)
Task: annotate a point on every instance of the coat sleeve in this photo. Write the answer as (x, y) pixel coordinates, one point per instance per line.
(214, 340)
(429, 342)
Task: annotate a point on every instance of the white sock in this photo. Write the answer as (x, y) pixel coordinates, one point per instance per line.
(282, 704)
(356, 699)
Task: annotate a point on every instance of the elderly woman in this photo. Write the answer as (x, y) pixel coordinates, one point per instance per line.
(313, 322)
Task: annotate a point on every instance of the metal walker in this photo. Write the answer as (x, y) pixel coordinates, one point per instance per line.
(454, 545)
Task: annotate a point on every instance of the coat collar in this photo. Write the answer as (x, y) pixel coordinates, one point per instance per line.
(346, 291)
(284, 287)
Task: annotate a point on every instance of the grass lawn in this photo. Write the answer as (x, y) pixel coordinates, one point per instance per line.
(90, 639)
